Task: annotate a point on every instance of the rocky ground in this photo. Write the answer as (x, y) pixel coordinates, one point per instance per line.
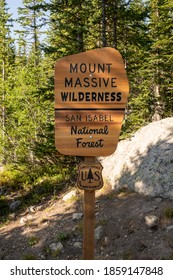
(128, 226)
(134, 210)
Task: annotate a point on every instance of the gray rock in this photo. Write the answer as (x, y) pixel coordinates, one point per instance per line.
(23, 220)
(158, 199)
(26, 219)
(56, 246)
(144, 162)
(170, 227)
(106, 241)
(78, 245)
(98, 232)
(32, 209)
(39, 208)
(12, 216)
(14, 205)
(69, 195)
(29, 218)
(42, 257)
(151, 221)
(77, 216)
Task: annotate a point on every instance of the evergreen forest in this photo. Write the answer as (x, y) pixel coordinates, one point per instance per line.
(141, 30)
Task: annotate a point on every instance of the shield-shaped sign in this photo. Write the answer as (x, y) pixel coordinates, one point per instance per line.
(90, 176)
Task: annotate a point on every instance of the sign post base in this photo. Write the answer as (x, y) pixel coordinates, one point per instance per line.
(89, 225)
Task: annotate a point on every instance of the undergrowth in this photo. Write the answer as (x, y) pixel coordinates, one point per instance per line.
(32, 185)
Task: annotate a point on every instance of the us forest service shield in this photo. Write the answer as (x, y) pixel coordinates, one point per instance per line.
(90, 176)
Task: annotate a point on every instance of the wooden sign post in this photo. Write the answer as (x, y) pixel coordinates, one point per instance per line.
(89, 217)
(91, 91)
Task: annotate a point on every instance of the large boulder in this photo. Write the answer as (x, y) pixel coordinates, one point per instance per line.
(144, 162)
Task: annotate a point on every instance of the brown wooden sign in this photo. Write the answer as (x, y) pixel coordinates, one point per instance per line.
(90, 176)
(91, 91)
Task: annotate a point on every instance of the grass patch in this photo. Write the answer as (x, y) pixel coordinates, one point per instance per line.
(124, 192)
(55, 254)
(128, 255)
(63, 236)
(79, 227)
(47, 251)
(11, 179)
(33, 240)
(74, 198)
(168, 213)
(170, 257)
(101, 222)
(50, 253)
(29, 257)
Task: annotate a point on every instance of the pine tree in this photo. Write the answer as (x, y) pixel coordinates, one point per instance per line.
(30, 108)
(6, 80)
(161, 59)
(32, 19)
(133, 43)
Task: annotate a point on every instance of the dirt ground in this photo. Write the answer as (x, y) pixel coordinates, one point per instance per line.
(120, 215)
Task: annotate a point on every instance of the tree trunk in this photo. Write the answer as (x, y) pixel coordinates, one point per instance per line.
(115, 25)
(80, 31)
(104, 40)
